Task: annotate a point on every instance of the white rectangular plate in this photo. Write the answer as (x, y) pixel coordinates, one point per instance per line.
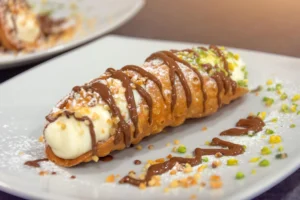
(28, 97)
(97, 18)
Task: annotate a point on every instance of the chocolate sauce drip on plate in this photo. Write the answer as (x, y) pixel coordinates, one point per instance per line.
(252, 123)
(35, 163)
(157, 169)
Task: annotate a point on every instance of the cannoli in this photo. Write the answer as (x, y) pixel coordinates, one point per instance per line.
(19, 26)
(121, 107)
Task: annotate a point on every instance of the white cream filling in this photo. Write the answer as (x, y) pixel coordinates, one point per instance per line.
(75, 139)
(28, 29)
(238, 74)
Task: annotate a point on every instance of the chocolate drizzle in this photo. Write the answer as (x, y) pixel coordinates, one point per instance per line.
(221, 55)
(35, 163)
(251, 123)
(107, 97)
(254, 124)
(194, 70)
(174, 69)
(157, 169)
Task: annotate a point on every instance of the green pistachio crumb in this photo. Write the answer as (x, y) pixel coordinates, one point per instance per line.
(264, 163)
(239, 175)
(285, 108)
(278, 86)
(283, 96)
(181, 149)
(205, 159)
(269, 131)
(268, 101)
(275, 119)
(280, 149)
(265, 151)
(292, 125)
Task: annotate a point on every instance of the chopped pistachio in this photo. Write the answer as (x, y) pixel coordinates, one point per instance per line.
(294, 107)
(269, 82)
(270, 89)
(285, 108)
(280, 149)
(281, 156)
(265, 151)
(283, 96)
(205, 159)
(181, 149)
(264, 163)
(253, 171)
(239, 175)
(262, 115)
(275, 119)
(232, 162)
(243, 83)
(296, 97)
(254, 159)
(278, 86)
(245, 147)
(268, 101)
(292, 125)
(274, 139)
(269, 131)
(298, 113)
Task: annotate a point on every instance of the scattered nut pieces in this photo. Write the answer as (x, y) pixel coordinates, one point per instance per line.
(137, 162)
(41, 139)
(160, 160)
(151, 146)
(72, 177)
(142, 186)
(216, 163)
(110, 179)
(138, 147)
(204, 128)
(95, 158)
(169, 156)
(176, 142)
(193, 196)
(43, 173)
(173, 172)
(218, 155)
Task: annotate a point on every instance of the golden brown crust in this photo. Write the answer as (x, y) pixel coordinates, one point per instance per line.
(8, 35)
(162, 115)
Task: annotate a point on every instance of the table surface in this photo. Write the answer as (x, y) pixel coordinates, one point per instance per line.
(269, 25)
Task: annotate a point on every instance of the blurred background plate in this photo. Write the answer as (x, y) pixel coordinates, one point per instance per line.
(97, 17)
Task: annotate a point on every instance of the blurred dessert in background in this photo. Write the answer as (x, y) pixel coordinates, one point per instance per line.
(22, 30)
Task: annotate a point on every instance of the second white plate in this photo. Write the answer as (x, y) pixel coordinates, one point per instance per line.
(98, 18)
